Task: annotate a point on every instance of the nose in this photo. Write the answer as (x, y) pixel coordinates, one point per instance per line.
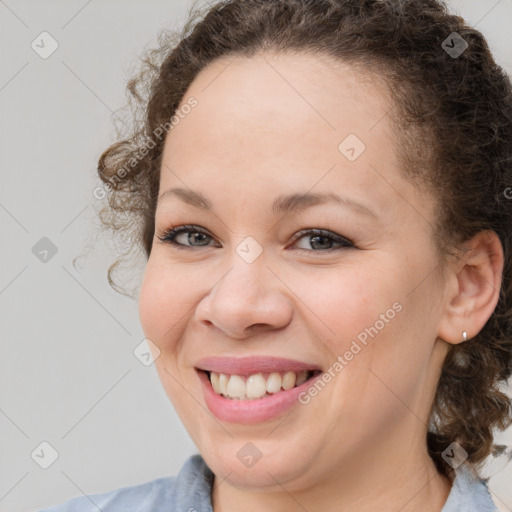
(248, 299)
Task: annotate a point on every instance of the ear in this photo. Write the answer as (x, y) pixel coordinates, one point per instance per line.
(473, 283)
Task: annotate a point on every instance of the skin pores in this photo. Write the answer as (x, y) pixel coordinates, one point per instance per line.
(270, 126)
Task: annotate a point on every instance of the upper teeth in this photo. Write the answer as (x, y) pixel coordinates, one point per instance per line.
(256, 385)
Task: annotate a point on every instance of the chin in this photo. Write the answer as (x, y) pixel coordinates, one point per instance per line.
(234, 465)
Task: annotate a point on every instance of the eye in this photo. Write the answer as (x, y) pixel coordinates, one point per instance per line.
(321, 237)
(318, 237)
(194, 235)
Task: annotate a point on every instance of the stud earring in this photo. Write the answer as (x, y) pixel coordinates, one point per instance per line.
(464, 336)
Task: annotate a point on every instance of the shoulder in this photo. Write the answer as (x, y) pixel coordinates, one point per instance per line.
(134, 498)
(152, 496)
(469, 492)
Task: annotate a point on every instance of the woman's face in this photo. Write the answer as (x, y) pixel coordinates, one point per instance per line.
(245, 293)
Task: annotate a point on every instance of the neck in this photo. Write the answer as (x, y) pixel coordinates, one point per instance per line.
(376, 480)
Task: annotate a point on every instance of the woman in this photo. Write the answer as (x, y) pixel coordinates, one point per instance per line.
(322, 190)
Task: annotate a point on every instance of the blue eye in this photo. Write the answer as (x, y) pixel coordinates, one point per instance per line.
(315, 235)
(170, 236)
(196, 235)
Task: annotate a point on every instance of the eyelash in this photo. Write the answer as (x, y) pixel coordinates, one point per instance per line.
(169, 235)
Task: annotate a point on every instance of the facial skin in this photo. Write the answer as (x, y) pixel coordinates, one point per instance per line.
(268, 126)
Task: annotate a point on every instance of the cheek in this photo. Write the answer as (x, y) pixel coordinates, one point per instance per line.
(161, 302)
(163, 313)
(366, 315)
(169, 294)
(342, 302)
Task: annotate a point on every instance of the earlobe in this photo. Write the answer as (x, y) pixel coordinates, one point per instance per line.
(472, 288)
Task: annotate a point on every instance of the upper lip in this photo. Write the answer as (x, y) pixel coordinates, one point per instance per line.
(252, 364)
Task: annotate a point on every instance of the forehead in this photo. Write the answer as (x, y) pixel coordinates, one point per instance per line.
(278, 122)
(296, 92)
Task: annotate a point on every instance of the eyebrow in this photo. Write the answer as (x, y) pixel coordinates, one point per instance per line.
(282, 205)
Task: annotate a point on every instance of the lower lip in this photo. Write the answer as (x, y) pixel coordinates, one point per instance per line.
(251, 411)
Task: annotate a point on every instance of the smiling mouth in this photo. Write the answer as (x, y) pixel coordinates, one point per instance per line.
(258, 385)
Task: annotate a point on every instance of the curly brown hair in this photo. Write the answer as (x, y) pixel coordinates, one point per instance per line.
(453, 120)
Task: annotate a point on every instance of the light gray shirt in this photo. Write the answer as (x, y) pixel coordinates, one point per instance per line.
(190, 491)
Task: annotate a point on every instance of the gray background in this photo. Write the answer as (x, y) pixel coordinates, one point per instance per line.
(68, 374)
